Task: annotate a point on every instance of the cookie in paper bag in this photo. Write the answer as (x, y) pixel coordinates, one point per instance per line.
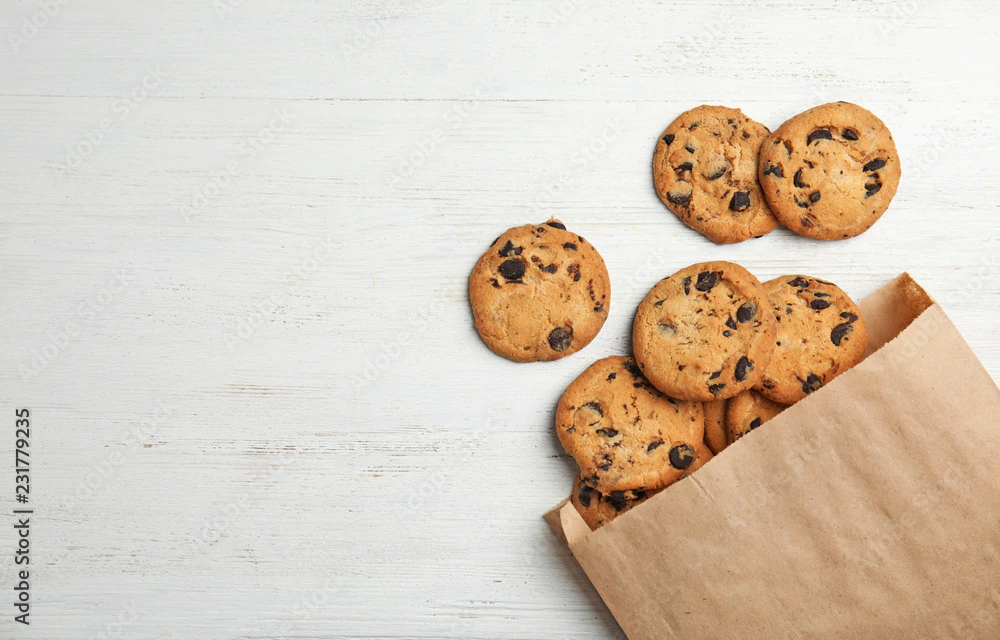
(705, 333)
(597, 509)
(821, 334)
(748, 411)
(625, 434)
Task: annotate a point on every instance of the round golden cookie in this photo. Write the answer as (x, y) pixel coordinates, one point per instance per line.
(746, 412)
(705, 171)
(705, 333)
(830, 172)
(539, 293)
(821, 334)
(597, 509)
(622, 432)
(715, 425)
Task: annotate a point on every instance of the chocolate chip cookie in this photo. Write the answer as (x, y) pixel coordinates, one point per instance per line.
(715, 425)
(705, 171)
(705, 333)
(820, 335)
(597, 509)
(746, 412)
(830, 172)
(539, 292)
(623, 433)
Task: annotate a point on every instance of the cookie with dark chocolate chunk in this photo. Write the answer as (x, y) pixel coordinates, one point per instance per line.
(821, 334)
(746, 412)
(539, 292)
(625, 434)
(598, 509)
(705, 171)
(830, 172)
(705, 333)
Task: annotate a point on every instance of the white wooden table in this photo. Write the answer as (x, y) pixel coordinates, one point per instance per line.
(235, 238)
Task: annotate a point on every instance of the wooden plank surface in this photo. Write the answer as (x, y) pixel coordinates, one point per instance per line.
(235, 242)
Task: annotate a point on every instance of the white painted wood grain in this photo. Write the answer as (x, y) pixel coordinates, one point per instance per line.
(275, 419)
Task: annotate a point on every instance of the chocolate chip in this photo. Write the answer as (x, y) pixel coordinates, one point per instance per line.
(874, 165)
(687, 285)
(668, 138)
(689, 148)
(718, 173)
(814, 196)
(631, 367)
(617, 500)
(819, 134)
(593, 406)
(799, 282)
(811, 383)
(715, 375)
(606, 463)
(746, 312)
(872, 188)
(850, 134)
(587, 494)
(678, 198)
(608, 433)
(598, 309)
(555, 224)
(819, 305)
(612, 376)
(560, 339)
(820, 294)
(574, 270)
(788, 147)
(716, 388)
(495, 241)
(653, 445)
(495, 282)
(746, 136)
(682, 456)
(797, 180)
(840, 332)
(509, 250)
(512, 269)
(693, 126)
(850, 316)
(550, 268)
(706, 280)
(740, 201)
(730, 322)
(754, 424)
(540, 229)
(806, 222)
(570, 246)
(743, 367)
(774, 170)
(687, 166)
(727, 333)
(802, 203)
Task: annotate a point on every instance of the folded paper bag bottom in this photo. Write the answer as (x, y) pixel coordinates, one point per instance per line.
(871, 509)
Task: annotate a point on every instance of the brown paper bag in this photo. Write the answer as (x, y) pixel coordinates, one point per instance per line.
(871, 509)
